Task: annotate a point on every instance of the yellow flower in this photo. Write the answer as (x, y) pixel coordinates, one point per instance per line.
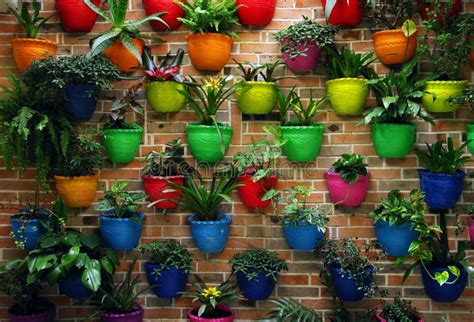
(211, 293)
(213, 82)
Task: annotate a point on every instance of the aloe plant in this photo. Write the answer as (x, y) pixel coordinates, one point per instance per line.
(32, 23)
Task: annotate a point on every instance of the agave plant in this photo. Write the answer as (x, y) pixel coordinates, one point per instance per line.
(32, 23)
(306, 115)
(346, 63)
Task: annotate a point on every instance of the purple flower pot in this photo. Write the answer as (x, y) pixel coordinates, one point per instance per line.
(135, 316)
(471, 230)
(343, 193)
(47, 316)
(306, 62)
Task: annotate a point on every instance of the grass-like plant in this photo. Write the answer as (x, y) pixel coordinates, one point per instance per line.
(441, 158)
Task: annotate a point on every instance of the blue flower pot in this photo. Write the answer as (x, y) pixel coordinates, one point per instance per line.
(28, 233)
(210, 236)
(73, 288)
(347, 289)
(120, 233)
(448, 292)
(80, 101)
(168, 283)
(302, 237)
(395, 240)
(256, 289)
(442, 191)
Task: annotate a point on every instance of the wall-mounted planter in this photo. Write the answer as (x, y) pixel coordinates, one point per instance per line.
(164, 96)
(395, 240)
(256, 289)
(135, 316)
(80, 101)
(347, 95)
(378, 316)
(26, 50)
(210, 236)
(256, 12)
(157, 188)
(442, 190)
(122, 57)
(120, 233)
(393, 140)
(343, 193)
(303, 236)
(424, 7)
(392, 47)
(347, 289)
(256, 97)
(251, 193)
(73, 288)
(448, 292)
(173, 12)
(77, 192)
(304, 142)
(345, 13)
(303, 63)
(168, 283)
(75, 15)
(471, 230)
(209, 51)
(122, 144)
(225, 313)
(26, 231)
(48, 315)
(437, 93)
(470, 136)
(205, 143)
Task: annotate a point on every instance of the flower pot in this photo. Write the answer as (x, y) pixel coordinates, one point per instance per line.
(210, 236)
(120, 233)
(442, 190)
(173, 12)
(392, 47)
(209, 51)
(304, 142)
(347, 289)
(424, 7)
(73, 288)
(26, 232)
(205, 143)
(343, 193)
(256, 12)
(395, 240)
(155, 188)
(251, 193)
(379, 318)
(437, 93)
(393, 140)
(26, 50)
(122, 144)
(256, 97)
(77, 192)
(347, 95)
(122, 57)
(306, 62)
(75, 15)
(168, 283)
(80, 101)
(48, 315)
(345, 13)
(164, 96)
(135, 316)
(470, 136)
(255, 289)
(448, 292)
(471, 230)
(303, 236)
(224, 310)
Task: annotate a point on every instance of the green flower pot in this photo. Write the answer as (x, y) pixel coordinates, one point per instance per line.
(304, 142)
(347, 95)
(205, 144)
(393, 140)
(256, 97)
(470, 136)
(442, 91)
(122, 145)
(164, 96)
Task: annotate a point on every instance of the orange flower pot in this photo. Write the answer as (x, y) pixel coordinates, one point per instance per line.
(122, 57)
(77, 192)
(26, 50)
(209, 51)
(392, 47)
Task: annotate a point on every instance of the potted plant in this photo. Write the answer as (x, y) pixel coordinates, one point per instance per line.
(257, 13)
(167, 268)
(468, 98)
(344, 13)
(348, 181)
(289, 309)
(120, 222)
(211, 23)
(26, 50)
(470, 212)
(256, 272)
(77, 175)
(172, 13)
(442, 9)
(302, 43)
(442, 180)
(398, 310)
(163, 83)
(75, 16)
(122, 43)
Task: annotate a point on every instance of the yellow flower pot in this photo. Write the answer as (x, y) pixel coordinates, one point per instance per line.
(437, 93)
(164, 96)
(347, 95)
(77, 192)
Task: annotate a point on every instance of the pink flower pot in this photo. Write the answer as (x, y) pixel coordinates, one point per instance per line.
(306, 62)
(221, 307)
(135, 316)
(343, 193)
(379, 318)
(471, 230)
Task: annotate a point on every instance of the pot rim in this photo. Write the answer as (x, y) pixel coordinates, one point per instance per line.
(347, 79)
(197, 35)
(393, 125)
(302, 127)
(138, 310)
(155, 83)
(442, 83)
(221, 306)
(51, 308)
(391, 32)
(137, 130)
(442, 175)
(202, 126)
(35, 40)
(104, 217)
(334, 174)
(224, 219)
(245, 175)
(77, 178)
(258, 83)
(161, 178)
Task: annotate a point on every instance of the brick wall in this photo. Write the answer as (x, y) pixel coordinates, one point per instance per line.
(249, 229)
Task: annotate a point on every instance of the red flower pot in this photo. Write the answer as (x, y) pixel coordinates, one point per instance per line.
(75, 15)
(155, 187)
(251, 193)
(424, 7)
(345, 15)
(256, 12)
(221, 307)
(471, 230)
(345, 194)
(306, 62)
(173, 12)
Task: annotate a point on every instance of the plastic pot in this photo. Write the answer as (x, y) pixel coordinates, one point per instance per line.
(122, 144)
(437, 93)
(303, 63)
(302, 236)
(471, 230)
(193, 317)
(347, 289)
(48, 315)
(393, 140)
(77, 192)
(345, 13)
(135, 316)
(442, 190)
(122, 57)
(173, 12)
(256, 12)
(255, 289)
(26, 231)
(155, 188)
(209, 51)
(256, 97)
(164, 96)
(205, 143)
(395, 240)
(470, 136)
(347, 95)
(120, 233)
(80, 101)
(251, 193)
(343, 193)
(210, 236)
(448, 292)
(392, 47)
(26, 50)
(168, 283)
(304, 142)
(424, 7)
(73, 288)
(75, 15)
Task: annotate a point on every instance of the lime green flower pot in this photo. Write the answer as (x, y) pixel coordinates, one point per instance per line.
(470, 136)
(393, 140)
(122, 144)
(437, 93)
(347, 95)
(304, 142)
(205, 144)
(164, 96)
(256, 97)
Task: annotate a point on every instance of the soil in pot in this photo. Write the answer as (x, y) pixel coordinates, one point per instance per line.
(395, 240)
(155, 188)
(164, 96)
(80, 101)
(75, 15)
(347, 95)
(251, 193)
(77, 192)
(470, 136)
(303, 63)
(209, 51)
(210, 236)
(222, 314)
(122, 57)
(392, 47)
(256, 97)
(120, 233)
(205, 143)
(343, 193)
(173, 12)
(122, 144)
(450, 291)
(442, 190)
(135, 316)
(26, 50)
(41, 311)
(256, 12)
(443, 91)
(393, 140)
(345, 13)
(304, 142)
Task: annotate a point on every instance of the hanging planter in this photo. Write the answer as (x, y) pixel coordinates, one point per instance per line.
(251, 193)
(47, 315)
(173, 12)
(442, 190)
(26, 231)
(471, 230)
(340, 89)
(75, 15)
(73, 287)
(205, 142)
(168, 283)
(157, 188)
(165, 97)
(122, 144)
(448, 292)
(392, 47)
(209, 51)
(80, 101)
(343, 193)
(424, 8)
(470, 136)
(303, 236)
(77, 192)
(121, 233)
(210, 236)
(304, 63)
(256, 289)
(125, 61)
(303, 142)
(222, 310)
(393, 140)
(436, 95)
(27, 50)
(256, 97)
(347, 289)
(135, 316)
(256, 12)
(394, 239)
(344, 13)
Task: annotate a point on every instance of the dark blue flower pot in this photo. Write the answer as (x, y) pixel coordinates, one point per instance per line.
(442, 191)
(168, 283)
(73, 288)
(255, 289)
(347, 289)
(80, 101)
(120, 233)
(395, 240)
(27, 231)
(210, 236)
(448, 292)
(302, 237)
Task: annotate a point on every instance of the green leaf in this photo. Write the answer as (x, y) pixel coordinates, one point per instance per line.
(69, 259)
(91, 277)
(441, 278)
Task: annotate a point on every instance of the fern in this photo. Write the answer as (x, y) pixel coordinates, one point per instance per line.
(288, 309)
